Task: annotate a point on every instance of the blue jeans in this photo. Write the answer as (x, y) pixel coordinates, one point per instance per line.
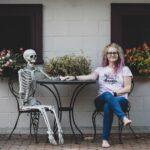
(110, 105)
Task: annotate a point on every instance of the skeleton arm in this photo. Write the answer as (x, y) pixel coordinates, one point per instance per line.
(45, 74)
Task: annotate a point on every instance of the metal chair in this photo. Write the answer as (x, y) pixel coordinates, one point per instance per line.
(34, 114)
(99, 111)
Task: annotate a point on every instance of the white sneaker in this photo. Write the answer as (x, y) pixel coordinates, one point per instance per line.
(105, 144)
(126, 121)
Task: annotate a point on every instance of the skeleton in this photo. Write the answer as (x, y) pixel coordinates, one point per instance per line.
(26, 81)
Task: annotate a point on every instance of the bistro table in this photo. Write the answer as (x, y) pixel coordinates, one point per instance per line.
(54, 90)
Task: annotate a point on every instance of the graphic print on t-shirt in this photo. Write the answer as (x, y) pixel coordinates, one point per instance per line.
(109, 78)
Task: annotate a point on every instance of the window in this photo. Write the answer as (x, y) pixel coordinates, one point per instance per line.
(21, 26)
(130, 24)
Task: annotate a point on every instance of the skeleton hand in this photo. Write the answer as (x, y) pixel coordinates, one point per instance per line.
(68, 78)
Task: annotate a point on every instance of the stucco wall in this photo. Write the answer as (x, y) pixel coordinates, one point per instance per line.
(68, 27)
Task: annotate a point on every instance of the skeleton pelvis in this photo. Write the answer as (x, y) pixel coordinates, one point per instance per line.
(32, 101)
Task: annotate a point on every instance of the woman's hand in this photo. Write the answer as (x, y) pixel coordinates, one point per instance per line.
(126, 88)
(67, 78)
(91, 76)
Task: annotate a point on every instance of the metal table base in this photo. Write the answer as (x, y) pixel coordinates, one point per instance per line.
(70, 108)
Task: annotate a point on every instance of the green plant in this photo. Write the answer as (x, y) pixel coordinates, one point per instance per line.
(139, 59)
(10, 62)
(68, 65)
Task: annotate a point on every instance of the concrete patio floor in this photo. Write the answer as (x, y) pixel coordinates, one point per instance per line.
(26, 142)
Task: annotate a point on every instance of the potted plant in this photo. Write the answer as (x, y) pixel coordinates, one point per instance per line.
(68, 65)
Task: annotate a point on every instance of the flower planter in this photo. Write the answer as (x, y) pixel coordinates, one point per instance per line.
(138, 59)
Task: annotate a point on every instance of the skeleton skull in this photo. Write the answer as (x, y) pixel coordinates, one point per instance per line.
(30, 57)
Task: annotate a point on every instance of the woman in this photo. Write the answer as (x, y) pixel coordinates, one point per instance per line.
(114, 80)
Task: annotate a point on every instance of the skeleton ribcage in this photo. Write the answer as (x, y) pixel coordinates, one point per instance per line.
(27, 84)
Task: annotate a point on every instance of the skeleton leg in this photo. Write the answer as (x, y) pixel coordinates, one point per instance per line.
(60, 132)
(43, 112)
(49, 132)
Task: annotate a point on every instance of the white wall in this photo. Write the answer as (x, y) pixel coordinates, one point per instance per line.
(68, 27)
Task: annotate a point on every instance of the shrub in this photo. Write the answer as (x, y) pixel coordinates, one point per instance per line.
(68, 65)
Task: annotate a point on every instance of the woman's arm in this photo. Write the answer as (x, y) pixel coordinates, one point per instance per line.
(92, 76)
(127, 86)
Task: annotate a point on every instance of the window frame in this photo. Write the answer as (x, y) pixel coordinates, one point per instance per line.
(34, 11)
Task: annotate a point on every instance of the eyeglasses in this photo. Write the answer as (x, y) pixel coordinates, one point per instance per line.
(110, 53)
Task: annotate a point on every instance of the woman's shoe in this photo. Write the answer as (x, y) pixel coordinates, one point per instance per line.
(105, 144)
(126, 121)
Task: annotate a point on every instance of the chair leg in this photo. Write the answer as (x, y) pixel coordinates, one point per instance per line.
(133, 132)
(132, 128)
(14, 126)
(30, 123)
(35, 123)
(120, 131)
(120, 128)
(94, 124)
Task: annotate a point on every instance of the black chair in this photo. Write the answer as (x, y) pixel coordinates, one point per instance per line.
(99, 111)
(34, 114)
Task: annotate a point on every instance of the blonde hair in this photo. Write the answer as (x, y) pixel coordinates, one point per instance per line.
(120, 62)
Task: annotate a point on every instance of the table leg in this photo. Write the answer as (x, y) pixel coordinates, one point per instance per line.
(71, 113)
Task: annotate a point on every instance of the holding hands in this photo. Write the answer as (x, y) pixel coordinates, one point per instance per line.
(67, 78)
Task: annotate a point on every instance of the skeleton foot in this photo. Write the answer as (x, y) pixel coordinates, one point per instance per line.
(51, 138)
(61, 139)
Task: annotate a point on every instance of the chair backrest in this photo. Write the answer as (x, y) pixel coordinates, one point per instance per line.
(14, 88)
(129, 104)
(132, 86)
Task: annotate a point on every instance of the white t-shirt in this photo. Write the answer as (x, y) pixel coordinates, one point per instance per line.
(109, 81)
